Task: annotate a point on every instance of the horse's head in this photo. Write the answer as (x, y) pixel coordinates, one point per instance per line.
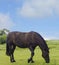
(45, 55)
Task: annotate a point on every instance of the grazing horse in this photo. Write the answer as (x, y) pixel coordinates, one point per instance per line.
(26, 40)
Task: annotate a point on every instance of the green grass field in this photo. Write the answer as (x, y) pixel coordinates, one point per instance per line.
(22, 55)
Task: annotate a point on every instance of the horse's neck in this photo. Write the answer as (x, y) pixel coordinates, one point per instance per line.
(43, 46)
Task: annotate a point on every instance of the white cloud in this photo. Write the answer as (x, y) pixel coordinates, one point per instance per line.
(39, 8)
(5, 21)
(27, 10)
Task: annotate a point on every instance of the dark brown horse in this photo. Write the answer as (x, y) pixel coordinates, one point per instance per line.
(26, 40)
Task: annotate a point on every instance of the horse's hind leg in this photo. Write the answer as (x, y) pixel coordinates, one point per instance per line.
(12, 48)
(32, 54)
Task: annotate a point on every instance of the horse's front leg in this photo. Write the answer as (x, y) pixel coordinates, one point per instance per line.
(32, 54)
(12, 58)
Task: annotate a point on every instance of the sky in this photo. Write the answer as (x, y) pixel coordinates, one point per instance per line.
(41, 16)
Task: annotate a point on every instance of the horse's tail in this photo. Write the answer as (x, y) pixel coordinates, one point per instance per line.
(7, 50)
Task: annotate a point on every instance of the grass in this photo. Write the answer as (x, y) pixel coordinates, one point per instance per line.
(21, 55)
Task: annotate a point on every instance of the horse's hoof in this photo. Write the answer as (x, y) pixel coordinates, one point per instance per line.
(32, 61)
(13, 61)
(28, 60)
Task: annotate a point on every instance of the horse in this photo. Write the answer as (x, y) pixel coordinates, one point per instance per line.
(28, 40)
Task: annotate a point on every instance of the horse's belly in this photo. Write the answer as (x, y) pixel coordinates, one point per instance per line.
(22, 45)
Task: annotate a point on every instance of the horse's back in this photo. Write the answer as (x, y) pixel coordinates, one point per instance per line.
(24, 37)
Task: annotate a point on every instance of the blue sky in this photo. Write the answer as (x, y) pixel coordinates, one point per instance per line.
(41, 16)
